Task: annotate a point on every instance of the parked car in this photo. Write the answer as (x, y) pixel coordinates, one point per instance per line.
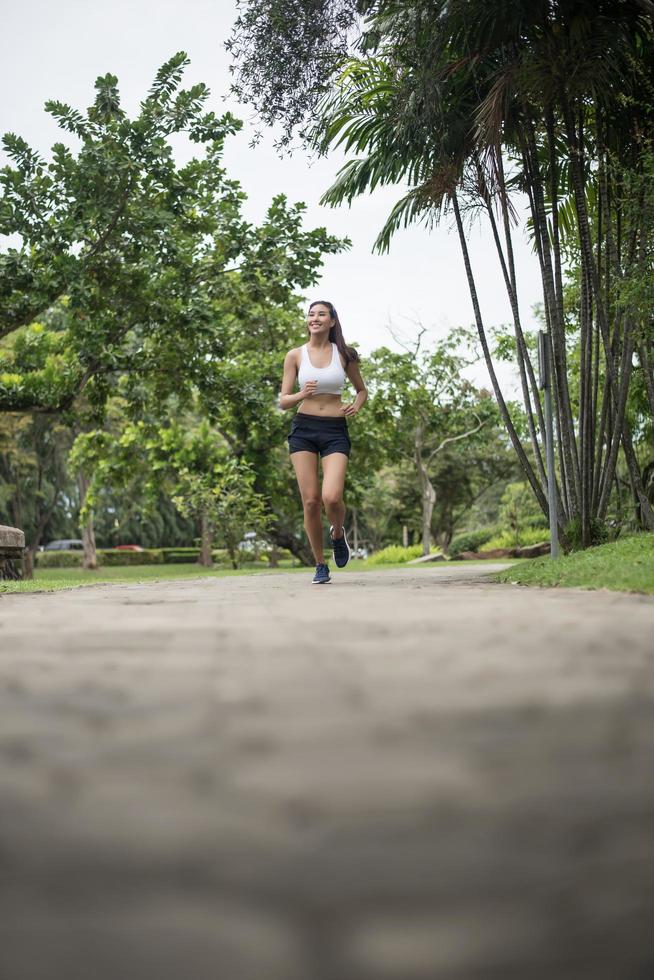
(128, 547)
(65, 544)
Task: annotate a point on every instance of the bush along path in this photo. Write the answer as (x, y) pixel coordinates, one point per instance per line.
(626, 565)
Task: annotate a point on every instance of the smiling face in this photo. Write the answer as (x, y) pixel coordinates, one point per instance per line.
(319, 320)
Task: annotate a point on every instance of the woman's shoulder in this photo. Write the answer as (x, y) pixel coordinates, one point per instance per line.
(293, 355)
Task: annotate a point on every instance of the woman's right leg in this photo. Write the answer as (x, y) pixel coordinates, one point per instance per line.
(306, 471)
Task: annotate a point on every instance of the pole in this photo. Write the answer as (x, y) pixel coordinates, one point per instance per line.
(545, 384)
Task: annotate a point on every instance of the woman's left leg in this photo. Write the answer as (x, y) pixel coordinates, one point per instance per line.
(334, 467)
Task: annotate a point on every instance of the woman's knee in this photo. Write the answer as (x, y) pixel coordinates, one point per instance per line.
(331, 499)
(311, 505)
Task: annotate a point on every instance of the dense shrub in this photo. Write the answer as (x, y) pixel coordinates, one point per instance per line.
(538, 521)
(471, 540)
(395, 553)
(59, 559)
(507, 539)
(180, 556)
(599, 533)
(115, 556)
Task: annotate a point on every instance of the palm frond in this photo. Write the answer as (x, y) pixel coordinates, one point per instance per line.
(414, 206)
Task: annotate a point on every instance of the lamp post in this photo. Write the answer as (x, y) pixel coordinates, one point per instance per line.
(545, 384)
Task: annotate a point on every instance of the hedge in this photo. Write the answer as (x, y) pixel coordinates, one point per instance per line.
(58, 559)
(180, 556)
(149, 556)
(117, 556)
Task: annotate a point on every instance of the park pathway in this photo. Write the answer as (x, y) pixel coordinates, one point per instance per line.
(404, 775)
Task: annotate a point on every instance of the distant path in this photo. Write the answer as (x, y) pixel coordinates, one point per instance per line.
(405, 775)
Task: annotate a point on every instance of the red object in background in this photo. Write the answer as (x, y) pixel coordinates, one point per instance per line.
(128, 547)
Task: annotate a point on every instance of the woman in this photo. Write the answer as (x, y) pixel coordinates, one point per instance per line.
(320, 427)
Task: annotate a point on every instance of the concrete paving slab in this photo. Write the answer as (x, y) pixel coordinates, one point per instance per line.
(404, 775)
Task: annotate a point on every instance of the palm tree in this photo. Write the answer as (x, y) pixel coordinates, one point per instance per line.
(465, 103)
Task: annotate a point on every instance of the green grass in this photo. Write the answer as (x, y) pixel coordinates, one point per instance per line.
(626, 565)
(53, 579)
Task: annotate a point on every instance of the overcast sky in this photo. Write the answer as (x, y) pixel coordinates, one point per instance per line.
(56, 50)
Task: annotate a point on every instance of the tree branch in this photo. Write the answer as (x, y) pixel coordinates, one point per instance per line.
(112, 224)
(463, 435)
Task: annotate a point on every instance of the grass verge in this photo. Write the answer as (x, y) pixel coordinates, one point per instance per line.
(52, 579)
(626, 565)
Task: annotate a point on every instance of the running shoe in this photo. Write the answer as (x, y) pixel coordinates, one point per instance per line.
(341, 548)
(322, 574)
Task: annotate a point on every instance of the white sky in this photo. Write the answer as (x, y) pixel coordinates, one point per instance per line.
(56, 51)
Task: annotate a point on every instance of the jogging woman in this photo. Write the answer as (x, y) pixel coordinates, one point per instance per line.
(320, 427)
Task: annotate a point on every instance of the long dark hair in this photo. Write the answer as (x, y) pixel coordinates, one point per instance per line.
(336, 332)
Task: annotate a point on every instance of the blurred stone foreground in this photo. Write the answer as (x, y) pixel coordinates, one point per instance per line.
(409, 775)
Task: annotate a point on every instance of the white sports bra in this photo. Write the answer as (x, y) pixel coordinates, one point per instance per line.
(330, 379)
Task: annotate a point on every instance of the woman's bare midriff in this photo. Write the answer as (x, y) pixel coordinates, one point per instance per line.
(330, 406)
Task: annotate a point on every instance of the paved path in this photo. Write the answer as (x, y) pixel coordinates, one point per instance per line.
(404, 775)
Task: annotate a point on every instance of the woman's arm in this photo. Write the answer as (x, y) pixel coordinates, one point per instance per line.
(287, 398)
(354, 374)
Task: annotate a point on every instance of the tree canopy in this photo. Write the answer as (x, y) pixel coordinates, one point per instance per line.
(477, 107)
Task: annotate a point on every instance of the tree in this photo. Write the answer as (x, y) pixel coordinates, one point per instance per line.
(275, 47)
(469, 103)
(143, 256)
(425, 406)
(115, 232)
(159, 292)
(189, 461)
(225, 501)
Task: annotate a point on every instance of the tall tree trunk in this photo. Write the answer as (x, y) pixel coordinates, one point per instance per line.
(90, 559)
(28, 564)
(618, 427)
(504, 412)
(514, 288)
(521, 347)
(427, 492)
(206, 540)
(283, 538)
(585, 449)
(553, 309)
(273, 557)
(29, 561)
(616, 389)
(648, 375)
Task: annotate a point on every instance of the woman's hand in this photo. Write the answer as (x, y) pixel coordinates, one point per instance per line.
(350, 410)
(309, 389)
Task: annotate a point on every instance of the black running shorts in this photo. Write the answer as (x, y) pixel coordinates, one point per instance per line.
(319, 434)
